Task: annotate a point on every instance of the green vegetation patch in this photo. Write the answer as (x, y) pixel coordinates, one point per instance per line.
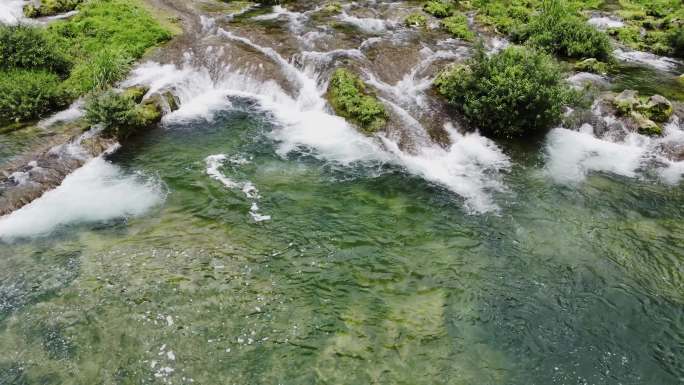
(27, 94)
(515, 92)
(86, 53)
(416, 20)
(457, 26)
(349, 98)
(655, 25)
(118, 113)
(439, 8)
(559, 30)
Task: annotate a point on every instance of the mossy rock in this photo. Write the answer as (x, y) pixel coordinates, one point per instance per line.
(626, 101)
(332, 8)
(657, 108)
(680, 79)
(415, 20)
(149, 113)
(349, 98)
(50, 7)
(439, 8)
(136, 93)
(644, 125)
(592, 65)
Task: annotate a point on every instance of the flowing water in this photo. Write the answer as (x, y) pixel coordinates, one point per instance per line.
(255, 238)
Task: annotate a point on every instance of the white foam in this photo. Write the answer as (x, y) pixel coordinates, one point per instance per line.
(99, 191)
(12, 11)
(572, 155)
(662, 63)
(72, 113)
(470, 167)
(604, 22)
(366, 24)
(214, 162)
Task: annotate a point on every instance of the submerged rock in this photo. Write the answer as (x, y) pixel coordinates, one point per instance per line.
(591, 65)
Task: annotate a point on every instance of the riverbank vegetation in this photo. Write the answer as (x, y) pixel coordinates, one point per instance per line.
(73, 57)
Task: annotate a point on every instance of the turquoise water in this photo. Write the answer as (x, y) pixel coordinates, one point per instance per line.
(365, 274)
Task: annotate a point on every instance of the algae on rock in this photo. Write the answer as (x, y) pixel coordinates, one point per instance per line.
(350, 99)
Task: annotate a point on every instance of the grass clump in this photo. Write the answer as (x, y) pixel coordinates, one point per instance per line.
(559, 30)
(652, 25)
(348, 96)
(457, 26)
(439, 8)
(28, 94)
(515, 92)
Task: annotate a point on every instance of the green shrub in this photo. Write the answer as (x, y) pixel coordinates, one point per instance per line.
(677, 42)
(50, 7)
(560, 31)
(415, 19)
(457, 26)
(512, 93)
(348, 97)
(118, 114)
(438, 8)
(28, 94)
(31, 48)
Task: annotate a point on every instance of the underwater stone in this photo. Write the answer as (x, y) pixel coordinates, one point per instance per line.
(591, 65)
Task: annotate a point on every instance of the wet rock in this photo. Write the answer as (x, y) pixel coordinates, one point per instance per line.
(680, 79)
(136, 93)
(149, 112)
(591, 65)
(644, 125)
(626, 101)
(166, 101)
(657, 108)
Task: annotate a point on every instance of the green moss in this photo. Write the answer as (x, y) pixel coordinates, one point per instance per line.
(333, 7)
(348, 96)
(457, 26)
(415, 19)
(439, 8)
(515, 92)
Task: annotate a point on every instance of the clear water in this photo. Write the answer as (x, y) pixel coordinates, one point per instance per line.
(364, 274)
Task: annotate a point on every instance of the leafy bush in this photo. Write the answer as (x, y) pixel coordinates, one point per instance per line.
(512, 93)
(348, 97)
(557, 30)
(438, 8)
(457, 26)
(28, 94)
(31, 48)
(677, 42)
(50, 7)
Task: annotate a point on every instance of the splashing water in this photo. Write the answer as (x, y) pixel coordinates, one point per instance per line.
(97, 192)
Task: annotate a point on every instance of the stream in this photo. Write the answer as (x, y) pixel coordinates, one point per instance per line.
(257, 238)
